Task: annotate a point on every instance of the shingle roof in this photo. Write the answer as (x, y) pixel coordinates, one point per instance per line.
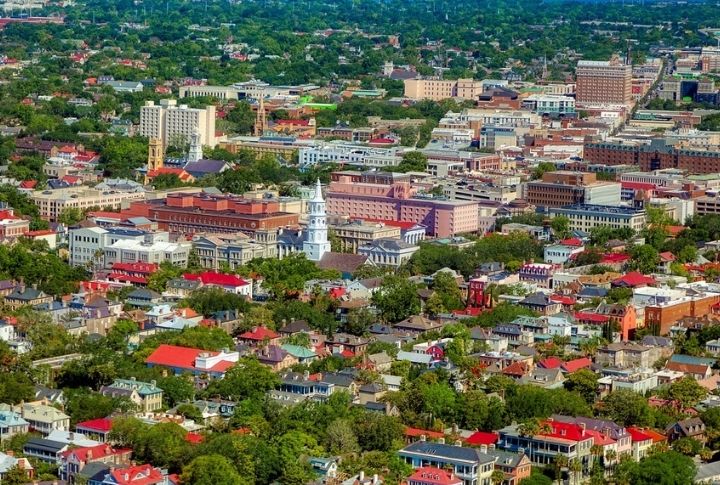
(427, 448)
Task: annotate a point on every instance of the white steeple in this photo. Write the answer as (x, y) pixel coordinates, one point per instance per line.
(316, 239)
(195, 152)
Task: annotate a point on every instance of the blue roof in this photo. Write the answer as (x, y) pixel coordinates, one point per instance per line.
(449, 452)
(689, 359)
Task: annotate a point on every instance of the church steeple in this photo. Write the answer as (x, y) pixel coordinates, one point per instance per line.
(195, 152)
(260, 118)
(316, 241)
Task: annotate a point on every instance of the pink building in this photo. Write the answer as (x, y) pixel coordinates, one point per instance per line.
(391, 196)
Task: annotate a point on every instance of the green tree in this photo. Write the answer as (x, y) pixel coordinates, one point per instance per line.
(413, 161)
(668, 468)
(212, 470)
(396, 299)
(248, 379)
(686, 391)
(627, 408)
(561, 227)
(644, 258)
(584, 382)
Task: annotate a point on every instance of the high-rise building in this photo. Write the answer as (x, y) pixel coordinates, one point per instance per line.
(604, 82)
(561, 188)
(316, 244)
(168, 121)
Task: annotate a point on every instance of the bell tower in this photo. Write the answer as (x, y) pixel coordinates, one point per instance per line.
(156, 156)
(316, 240)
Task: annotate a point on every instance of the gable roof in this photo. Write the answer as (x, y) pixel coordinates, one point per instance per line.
(183, 358)
(576, 364)
(482, 438)
(217, 279)
(460, 453)
(345, 263)
(100, 425)
(634, 279)
(259, 334)
(429, 475)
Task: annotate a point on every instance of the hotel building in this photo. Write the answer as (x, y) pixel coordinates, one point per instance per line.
(391, 196)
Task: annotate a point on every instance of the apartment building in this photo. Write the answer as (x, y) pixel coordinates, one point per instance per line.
(656, 155)
(662, 316)
(168, 120)
(52, 203)
(584, 217)
(439, 89)
(548, 105)
(391, 196)
(86, 245)
(604, 82)
(563, 188)
(628, 355)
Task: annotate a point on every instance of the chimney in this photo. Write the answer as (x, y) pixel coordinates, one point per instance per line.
(71, 436)
(458, 443)
(376, 479)
(89, 454)
(306, 375)
(361, 476)
(423, 437)
(10, 453)
(441, 441)
(483, 448)
(491, 447)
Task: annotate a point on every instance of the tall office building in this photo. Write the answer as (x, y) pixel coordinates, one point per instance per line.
(168, 121)
(604, 82)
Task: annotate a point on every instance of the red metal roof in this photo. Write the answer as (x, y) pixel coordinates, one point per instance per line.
(138, 475)
(147, 268)
(573, 241)
(417, 432)
(633, 279)
(482, 438)
(92, 452)
(564, 299)
(183, 358)
(577, 364)
(638, 185)
(28, 184)
(550, 363)
(566, 431)
(387, 222)
(127, 278)
(217, 279)
(599, 438)
(614, 258)
(100, 425)
(430, 475)
(591, 317)
(259, 333)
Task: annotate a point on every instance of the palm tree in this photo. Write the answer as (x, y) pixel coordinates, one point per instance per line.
(560, 463)
(575, 467)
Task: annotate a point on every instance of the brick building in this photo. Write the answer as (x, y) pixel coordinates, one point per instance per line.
(193, 213)
(562, 188)
(663, 316)
(604, 82)
(654, 156)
